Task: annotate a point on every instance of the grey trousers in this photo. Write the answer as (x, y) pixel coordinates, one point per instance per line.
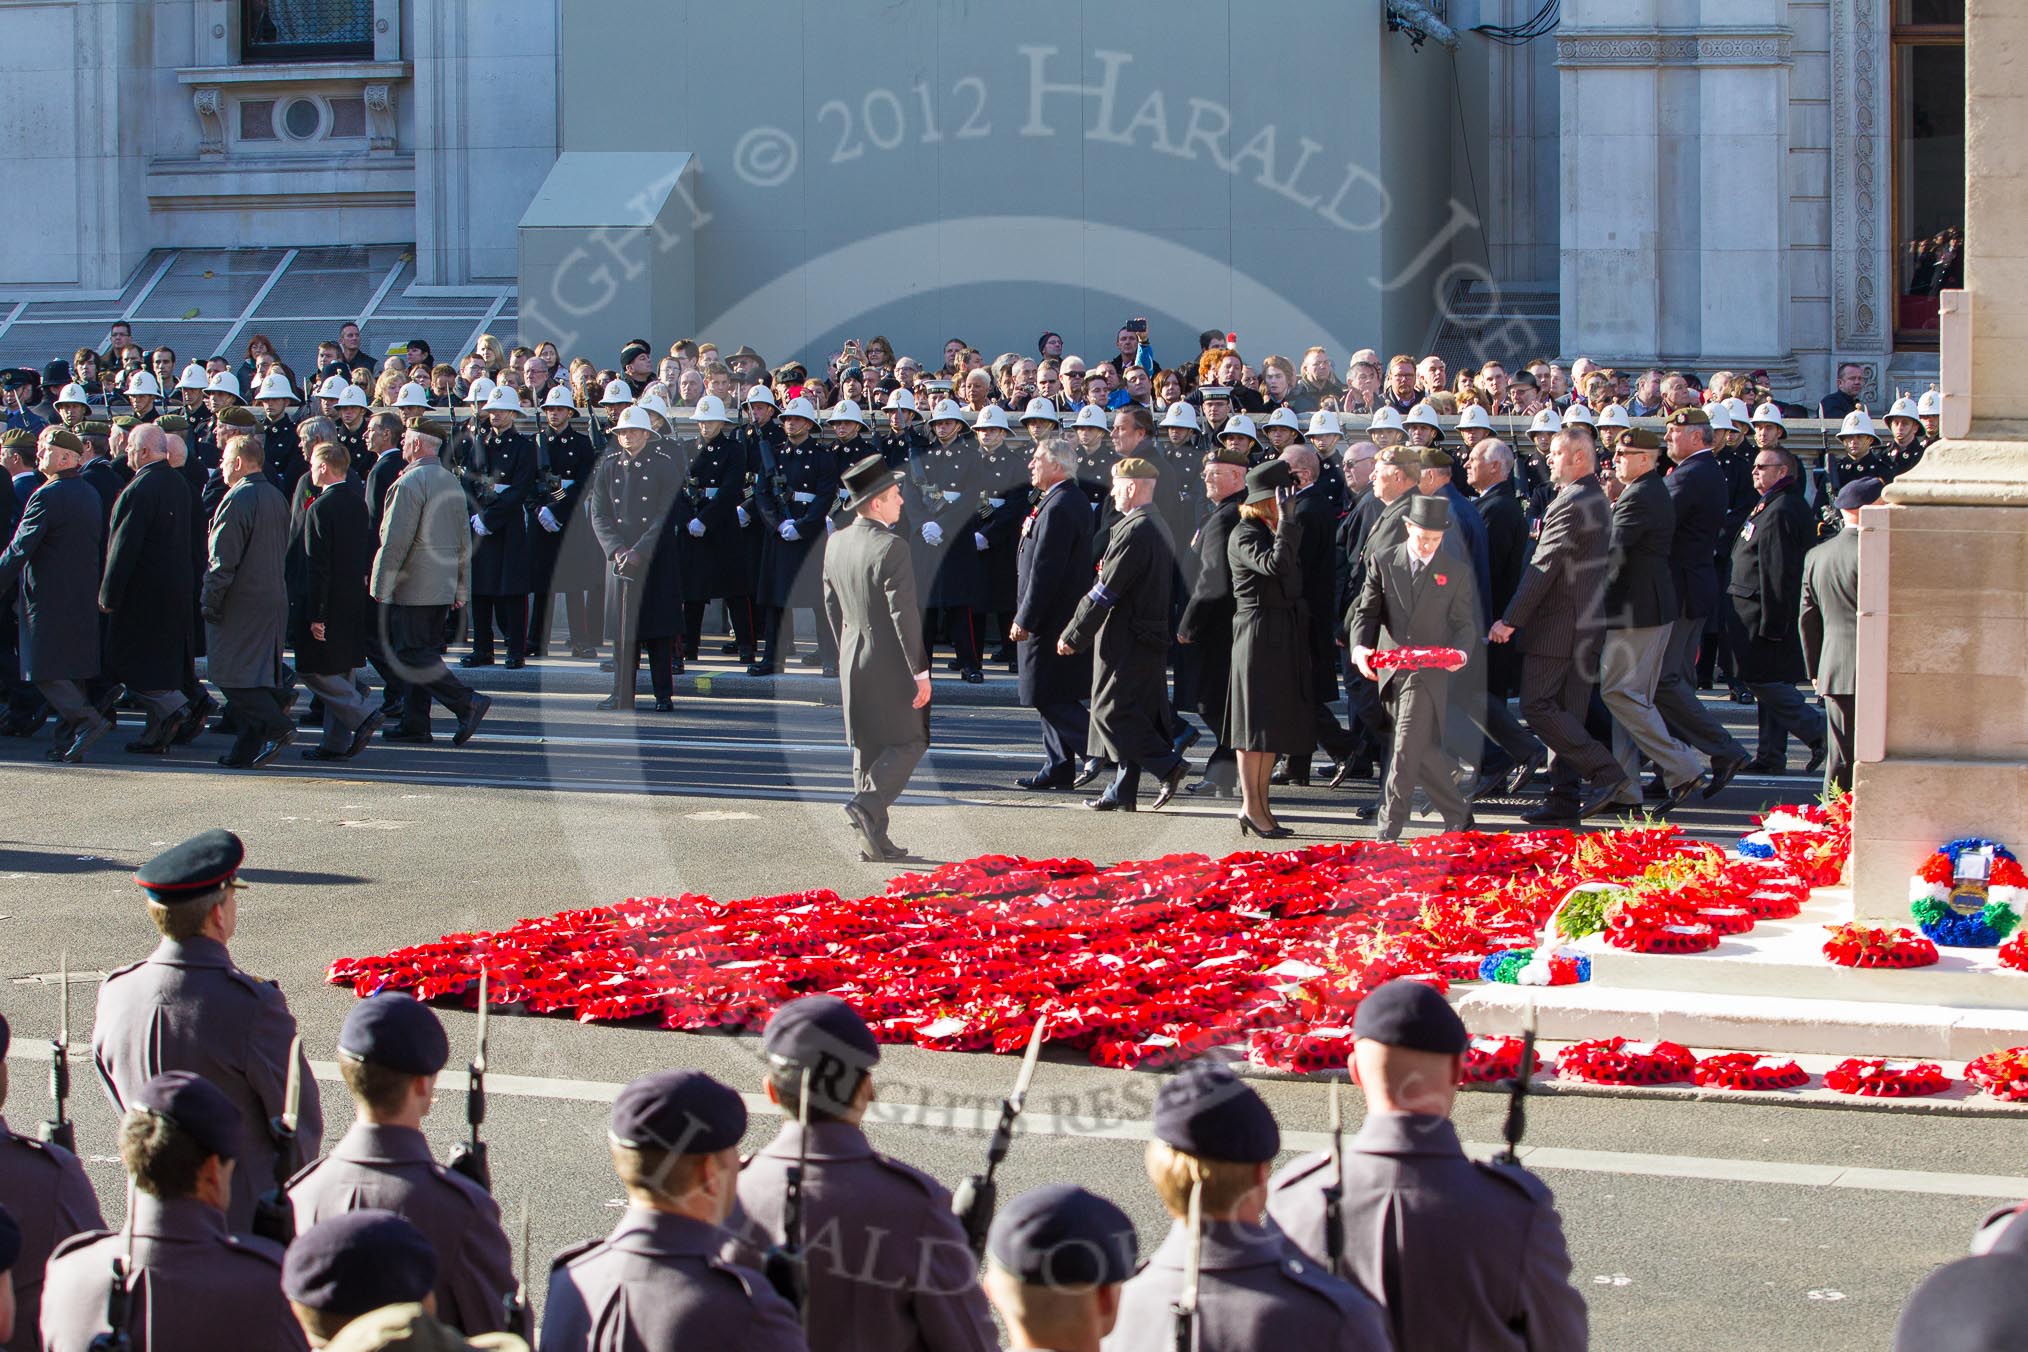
(1684, 715)
(1629, 668)
(879, 774)
(344, 707)
(1418, 759)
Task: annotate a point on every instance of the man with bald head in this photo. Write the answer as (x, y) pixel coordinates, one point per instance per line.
(149, 588)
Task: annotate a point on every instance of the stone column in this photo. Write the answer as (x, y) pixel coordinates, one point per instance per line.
(1943, 690)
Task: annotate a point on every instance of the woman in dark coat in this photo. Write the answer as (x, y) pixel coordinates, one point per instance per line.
(1268, 708)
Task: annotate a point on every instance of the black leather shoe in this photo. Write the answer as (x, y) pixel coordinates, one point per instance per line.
(1170, 783)
(1602, 797)
(474, 715)
(271, 749)
(1722, 770)
(474, 660)
(1105, 802)
(1089, 773)
(1521, 775)
(363, 734)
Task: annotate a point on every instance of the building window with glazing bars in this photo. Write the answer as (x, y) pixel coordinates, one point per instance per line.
(306, 30)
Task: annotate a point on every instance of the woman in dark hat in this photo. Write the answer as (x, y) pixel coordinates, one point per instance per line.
(1268, 709)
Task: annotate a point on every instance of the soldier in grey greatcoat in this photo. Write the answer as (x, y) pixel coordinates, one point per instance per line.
(1462, 1254)
(188, 1007)
(659, 1280)
(194, 1284)
(55, 553)
(870, 603)
(246, 605)
(888, 1263)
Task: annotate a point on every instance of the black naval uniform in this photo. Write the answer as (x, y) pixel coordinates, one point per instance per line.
(500, 481)
(567, 559)
(637, 505)
(719, 564)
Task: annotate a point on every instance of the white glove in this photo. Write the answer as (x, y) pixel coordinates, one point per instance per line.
(479, 525)
(932, 534)
(744, 519)
(979, 540)
(548, 521)
(829, 525)
(696, 528)
(788, 531)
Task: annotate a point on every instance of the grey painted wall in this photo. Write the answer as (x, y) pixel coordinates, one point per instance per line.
(933, 169)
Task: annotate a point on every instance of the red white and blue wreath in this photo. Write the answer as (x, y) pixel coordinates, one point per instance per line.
(1969, 894)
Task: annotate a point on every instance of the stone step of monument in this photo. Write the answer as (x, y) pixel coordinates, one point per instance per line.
(1738, 1021)
(1786, 958)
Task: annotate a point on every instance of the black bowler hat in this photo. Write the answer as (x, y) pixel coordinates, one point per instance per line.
(1207, 1111)
(359, 1261)
(869, 479)
(1405, 1013)
(196, 868)
(1859, 493)
(195, 1106)
(1972, 1305)
(10, 1241)
(1431, 511)
(396, 1030)
(1062, 1236)
(682, 1111)
(1264, 480)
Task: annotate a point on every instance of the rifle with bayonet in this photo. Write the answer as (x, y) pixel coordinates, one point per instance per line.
(784, 1265)
(518, 1322)
(1185, 1308)
(274, 1218)
(118, 1305)
(1517, 1100)
(1334, 1191)
(470, 1158)
(974, 1200)
(61, 1131)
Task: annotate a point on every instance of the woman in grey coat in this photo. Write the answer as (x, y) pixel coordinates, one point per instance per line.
(246, 605)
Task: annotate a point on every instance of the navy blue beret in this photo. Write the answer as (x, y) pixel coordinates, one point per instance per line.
(1207, 1111)
(359, 1261)
(1973, 1305)
(1405, 1013)
(396, 1030)
(1061, 1235)
(683, 1111)
(197, 867)
(10, 1240)
(816, 1027)
(197, 1107)
(1859, 493)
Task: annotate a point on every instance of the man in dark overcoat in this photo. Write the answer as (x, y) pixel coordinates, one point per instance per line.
(1055, 558)
(1124, 617)
(147, 590)
(871, 605)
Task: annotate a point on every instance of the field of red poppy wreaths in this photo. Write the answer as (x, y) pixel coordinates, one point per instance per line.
(1137, 964)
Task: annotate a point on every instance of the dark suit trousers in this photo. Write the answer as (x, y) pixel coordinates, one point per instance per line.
(879, 774)
(416, 635)
(1683, 714)
(1066, 729)
(1554, 695)
(1419, 760)
(1838, 727)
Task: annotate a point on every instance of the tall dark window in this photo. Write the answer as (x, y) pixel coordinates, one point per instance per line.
(1929, 163)
(306, 30)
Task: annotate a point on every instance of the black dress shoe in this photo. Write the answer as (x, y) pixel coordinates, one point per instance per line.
(270, 749)
(1170, 783)
(475, 714)
(1089, 773)
(663, 706)
(514, 663)
(408, 736)
(1047, 779)
(1105, 802)
(1519, 777)
(1722, 770)
(362, 735)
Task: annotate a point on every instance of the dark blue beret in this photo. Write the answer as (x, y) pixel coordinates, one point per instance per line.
(359, 1261)
(1061, 1235)
(684, 1111)
(10, 1240)
(197, 1107)
(1973, 1305)
(1405, 1013)
(1207, 1111)
(195, 868)
(1859, 493)
(816, 1027)
(396, 1030)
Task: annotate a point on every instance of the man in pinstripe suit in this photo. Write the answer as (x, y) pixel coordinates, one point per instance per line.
(1559, 613)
